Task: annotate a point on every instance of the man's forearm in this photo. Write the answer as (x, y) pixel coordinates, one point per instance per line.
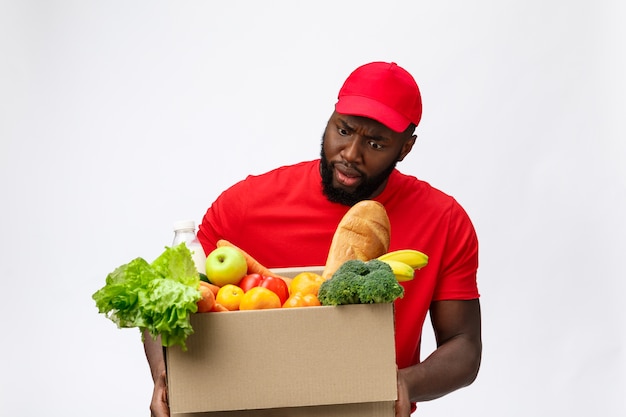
(452, 366)
(154, 354)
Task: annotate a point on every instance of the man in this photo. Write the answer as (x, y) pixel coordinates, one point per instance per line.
(287, 218)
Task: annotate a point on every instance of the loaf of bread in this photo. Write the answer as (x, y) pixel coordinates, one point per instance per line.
(363, 233)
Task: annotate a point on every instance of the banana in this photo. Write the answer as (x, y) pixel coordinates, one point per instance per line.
(414, 258)
(402, 271)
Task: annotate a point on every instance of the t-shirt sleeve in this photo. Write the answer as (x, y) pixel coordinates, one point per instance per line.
(222, 217)
(458, 273)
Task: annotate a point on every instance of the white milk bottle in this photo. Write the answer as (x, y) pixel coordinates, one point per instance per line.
(185, 231)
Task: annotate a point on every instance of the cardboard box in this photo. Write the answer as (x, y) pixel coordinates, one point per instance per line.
(307, 362)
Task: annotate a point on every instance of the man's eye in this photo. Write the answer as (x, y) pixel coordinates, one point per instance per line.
(343, 132)
(375, 145)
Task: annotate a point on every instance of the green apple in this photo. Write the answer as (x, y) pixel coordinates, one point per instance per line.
(225, 265)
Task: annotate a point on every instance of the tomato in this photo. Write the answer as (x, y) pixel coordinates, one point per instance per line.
(250, 281)
(301, 300)
(275, 284)
(278, 286)
(259, 298)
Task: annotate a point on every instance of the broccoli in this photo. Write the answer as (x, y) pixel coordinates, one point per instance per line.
(354, 265)
(380, 287)
(341, 289)
(359, 282)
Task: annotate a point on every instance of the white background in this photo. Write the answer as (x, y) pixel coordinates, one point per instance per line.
(118, 118)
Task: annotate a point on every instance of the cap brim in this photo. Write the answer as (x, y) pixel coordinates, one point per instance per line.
(366, 107)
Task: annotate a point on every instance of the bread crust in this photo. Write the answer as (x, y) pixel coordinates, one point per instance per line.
(363, 233)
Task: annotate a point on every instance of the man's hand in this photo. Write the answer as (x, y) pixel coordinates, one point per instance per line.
(403, 404)
(159, 406)
(455, 362)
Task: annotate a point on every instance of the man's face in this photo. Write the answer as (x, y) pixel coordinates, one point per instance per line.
(357, 156)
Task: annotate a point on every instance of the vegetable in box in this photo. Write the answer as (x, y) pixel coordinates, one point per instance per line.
(157, 297)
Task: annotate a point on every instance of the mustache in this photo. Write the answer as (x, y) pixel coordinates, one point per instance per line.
(347, 167)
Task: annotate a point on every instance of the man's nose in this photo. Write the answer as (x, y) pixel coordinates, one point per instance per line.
(352, 151)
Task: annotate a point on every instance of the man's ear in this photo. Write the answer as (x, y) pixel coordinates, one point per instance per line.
(407, 146)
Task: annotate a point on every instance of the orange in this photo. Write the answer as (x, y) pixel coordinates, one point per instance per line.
(305, 283)
(302, 300)
(206, 303)
(229, 296)
(258, 298)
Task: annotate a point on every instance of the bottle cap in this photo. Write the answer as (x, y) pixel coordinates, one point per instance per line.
(184, 224)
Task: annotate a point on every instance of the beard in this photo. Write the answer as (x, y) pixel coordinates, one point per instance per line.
(364, 191)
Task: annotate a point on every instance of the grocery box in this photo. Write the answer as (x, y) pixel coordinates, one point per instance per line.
(302, 362)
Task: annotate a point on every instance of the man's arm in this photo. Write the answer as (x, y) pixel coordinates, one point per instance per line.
(455, 362)
(154, 353)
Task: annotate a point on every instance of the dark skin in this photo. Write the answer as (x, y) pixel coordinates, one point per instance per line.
(154, 353)
(357, 148)
(455, 362)
(358, 154)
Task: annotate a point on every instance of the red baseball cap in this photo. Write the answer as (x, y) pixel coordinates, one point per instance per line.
(384, 92)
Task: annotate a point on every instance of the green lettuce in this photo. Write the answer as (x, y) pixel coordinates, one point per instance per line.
(157, 297)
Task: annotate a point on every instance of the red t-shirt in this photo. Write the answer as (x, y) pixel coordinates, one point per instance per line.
(283, 219)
